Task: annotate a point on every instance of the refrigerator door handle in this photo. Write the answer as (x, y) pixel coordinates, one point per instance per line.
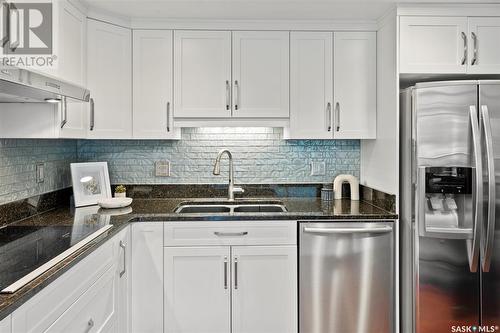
(472, 245)
(490, 224)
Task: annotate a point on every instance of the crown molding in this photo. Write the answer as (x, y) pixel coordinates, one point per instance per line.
(484, 9)
(209, 24)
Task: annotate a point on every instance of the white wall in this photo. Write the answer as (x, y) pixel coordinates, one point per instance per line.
(380, 157)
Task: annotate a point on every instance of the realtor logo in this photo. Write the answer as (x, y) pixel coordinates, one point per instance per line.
(26, 28)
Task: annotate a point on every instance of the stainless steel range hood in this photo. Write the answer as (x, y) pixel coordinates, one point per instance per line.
(19, 85)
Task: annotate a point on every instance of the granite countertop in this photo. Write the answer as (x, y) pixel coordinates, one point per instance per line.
(162, 210)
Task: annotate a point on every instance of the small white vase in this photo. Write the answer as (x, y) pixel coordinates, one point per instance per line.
(120, 195)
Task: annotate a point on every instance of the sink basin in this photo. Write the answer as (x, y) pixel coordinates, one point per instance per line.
(211, 208)
(259, 209)
(186, 209)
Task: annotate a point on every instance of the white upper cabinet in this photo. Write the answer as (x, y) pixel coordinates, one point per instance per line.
(433, 44)
(311, 85)
(109, 75)
(484, 48)
(333, 97)
(152, 86)
(72, 67)
(197, 290)
(260, 74)
(264, 296)
(202, 74)
(355, 85)
(449, 45)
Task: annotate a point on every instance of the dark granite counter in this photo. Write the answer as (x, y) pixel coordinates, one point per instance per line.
(145, 210)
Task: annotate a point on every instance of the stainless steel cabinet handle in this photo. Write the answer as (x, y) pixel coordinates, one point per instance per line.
(244, 233)
(474, 58)
(235, 273)
(168, 116)
(377, 230)
(329, 118)
(490, 226)
(225, 272)
(237, 95)
(124, 248)
(92, 115)
(464, 58)
(228, 95)
(90, 324)
(64, 112)
(337, 115)
(478, 211)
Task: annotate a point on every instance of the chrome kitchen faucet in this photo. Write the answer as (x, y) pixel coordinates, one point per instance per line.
(231, 189)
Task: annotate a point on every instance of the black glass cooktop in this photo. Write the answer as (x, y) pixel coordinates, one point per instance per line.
(25, 248)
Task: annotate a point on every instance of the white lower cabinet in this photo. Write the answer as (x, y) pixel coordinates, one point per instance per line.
(264, 294)
(147, 277)
(197, 291)
(93, 311)
(90, 297)
(5, 325)
(232, 288)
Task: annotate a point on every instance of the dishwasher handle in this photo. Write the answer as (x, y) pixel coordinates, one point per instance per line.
(377, 230)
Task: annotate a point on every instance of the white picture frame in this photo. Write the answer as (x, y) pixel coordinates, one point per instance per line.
(90, 182)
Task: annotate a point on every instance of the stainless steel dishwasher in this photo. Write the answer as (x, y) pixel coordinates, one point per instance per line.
(346, 277)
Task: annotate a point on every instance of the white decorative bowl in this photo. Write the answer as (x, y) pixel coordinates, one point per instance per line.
(110, 203)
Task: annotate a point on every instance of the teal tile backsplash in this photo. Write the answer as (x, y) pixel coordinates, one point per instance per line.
(260, 156)
(18, 159)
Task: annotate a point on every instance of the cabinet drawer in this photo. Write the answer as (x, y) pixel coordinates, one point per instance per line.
(42, 310)
(230, 233)
(94, 311)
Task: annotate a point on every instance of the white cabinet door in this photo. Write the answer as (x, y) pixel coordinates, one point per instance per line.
(355, 85)
(153, 80)
(5, 325)
(261, 74)
(109, 74)
(72, 67)
(484, 49)
(311, 81)
(147, 277)
(264, 289)
(433, 44)
(122, 253)
(202, 74)
(197, 289)
(94, 311)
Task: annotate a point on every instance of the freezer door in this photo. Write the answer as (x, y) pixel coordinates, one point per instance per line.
(448, 212)
(489, 101)
(346, 277)
(441, 115)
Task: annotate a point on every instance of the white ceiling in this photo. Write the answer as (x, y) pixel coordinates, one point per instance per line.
(257, 9)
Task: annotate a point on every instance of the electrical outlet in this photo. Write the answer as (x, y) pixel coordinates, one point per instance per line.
(162, 168)
(318, 168)
(40, 172)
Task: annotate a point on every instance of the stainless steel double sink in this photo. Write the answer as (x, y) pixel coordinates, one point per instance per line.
(213, 207)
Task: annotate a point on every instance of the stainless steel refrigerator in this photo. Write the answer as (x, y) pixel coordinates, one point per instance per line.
(450, 207)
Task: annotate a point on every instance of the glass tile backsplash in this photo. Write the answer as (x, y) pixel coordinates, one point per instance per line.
(260, 156)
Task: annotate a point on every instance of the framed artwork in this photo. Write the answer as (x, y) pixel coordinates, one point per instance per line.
(90, 182)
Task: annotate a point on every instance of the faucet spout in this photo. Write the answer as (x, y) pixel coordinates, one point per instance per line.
(231, 188)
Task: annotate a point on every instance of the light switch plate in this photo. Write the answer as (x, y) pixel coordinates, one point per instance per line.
(162, 168)
(318, 168)
(39, 170)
